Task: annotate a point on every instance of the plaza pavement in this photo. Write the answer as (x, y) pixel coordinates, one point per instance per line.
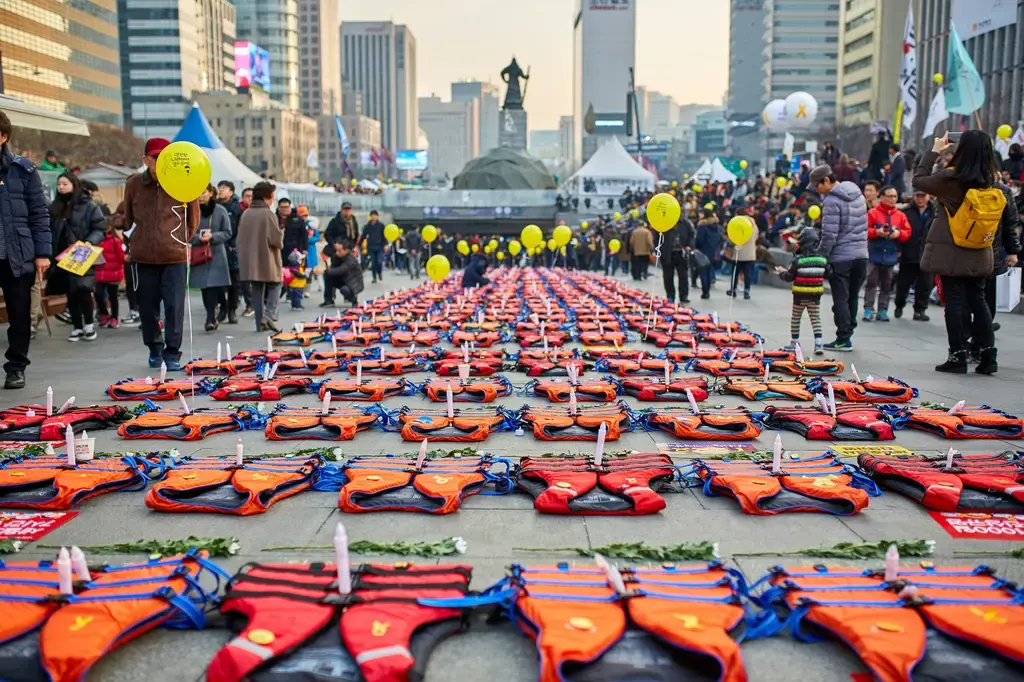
(493, 526)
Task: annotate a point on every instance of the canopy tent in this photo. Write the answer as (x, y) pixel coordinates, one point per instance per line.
(226, 166)
(25, 115)
(713, 171)
(612, 171)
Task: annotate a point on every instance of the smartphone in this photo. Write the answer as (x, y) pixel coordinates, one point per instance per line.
(954, 137)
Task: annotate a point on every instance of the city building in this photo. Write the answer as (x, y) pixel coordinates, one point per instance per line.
(546, 145)
(170, 49)
(450, 130)
(265, 135)
(744, 101)
(319, 58)
(363, 135)
(992, 36)
(662, 111)
(378, 60)
(489, 98)
(709, 133)
(63, 57)
(566, 141)
(870, 57)
(604, 53)
(801, 53)
(274, 26)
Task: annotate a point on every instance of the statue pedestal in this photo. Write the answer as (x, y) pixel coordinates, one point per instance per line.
(512, 129)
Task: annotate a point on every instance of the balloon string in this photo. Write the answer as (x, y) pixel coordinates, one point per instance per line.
(657, 257)
(188, 294)
(735, 284)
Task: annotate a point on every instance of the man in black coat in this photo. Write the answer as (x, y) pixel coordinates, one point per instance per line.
(294, 228)
(675, 258)
(919, 215)
(25, 249)
(373, 234)
(345, 273)
(342, 226)
(879, 156)
(227, 198)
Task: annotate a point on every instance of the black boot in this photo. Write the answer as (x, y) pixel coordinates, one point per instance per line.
(956, 363)
(988, 364)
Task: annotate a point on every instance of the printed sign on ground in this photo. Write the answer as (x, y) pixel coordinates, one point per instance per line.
(31, 526)
(981, 525)
(704, 449)
(877, 450)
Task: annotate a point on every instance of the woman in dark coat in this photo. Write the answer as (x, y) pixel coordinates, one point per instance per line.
(214, 276)
(473, 275)
(74, 217)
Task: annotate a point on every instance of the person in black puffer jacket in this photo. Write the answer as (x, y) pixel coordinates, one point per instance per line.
(345, 273)
(74, 217)
(473, 275)
(919, 214)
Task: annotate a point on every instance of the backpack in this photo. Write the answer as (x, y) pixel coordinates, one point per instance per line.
(976, 221)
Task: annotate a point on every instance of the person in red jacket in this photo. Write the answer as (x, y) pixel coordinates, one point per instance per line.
(888, 227)
(109, 276)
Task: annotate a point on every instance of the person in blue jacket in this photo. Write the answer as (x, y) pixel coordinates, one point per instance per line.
(25, 249)
(473, 275)
(708, 241)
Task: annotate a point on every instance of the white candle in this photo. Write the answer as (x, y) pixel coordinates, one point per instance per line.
(544, 340)
(80, 565)
(227, 355)
(671, 326)
(767, 366)
(600, 327)
(219, 349)
(412, 350)
(798, 351)
(831, 399)
(67, 405)
(327, 404)
(714, 318)
(465, 352)
(616, 344)
(184, 403)
(302, 354)
(572, 401)
(270, 345)
(693, 402)
(64, 581)
(599, 448)
(869, 379)
(334, 347)
(693, 344)
(49, 401)
(359, 372)
(822, 403)
(853, 369)
(956, 408)
(949, 458)
(239, 453)
(777, 454)
(668, 372)
(273, 369)
(422, 456)
(69, 438)
(450, 400)
(892, 563)
(613, 575)
(341, 558)
(760, 347)
(542, 325)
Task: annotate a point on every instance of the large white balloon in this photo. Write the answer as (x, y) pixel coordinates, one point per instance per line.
(801, 109)
(774, 116)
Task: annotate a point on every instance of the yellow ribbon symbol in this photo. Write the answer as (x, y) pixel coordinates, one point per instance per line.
(261, 477)
(80, 623)
(379, 629)
(990, 616)
(441, 480)
(689, 622)
(824, 482)
(801, 111)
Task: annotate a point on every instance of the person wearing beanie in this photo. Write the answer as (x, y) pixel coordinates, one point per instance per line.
(50, 163)
(807, 272)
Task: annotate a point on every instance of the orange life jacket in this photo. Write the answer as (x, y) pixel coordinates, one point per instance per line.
(819, 368)
(276, 355)
(748, 367)
(477, 368)
(407, 338)
(30, 423)
(891, 391)
(254, 387)
(343, 355)
(43, 482)
(778, 354)
(623, 485)
(468, 425)
(597, 390)
(707, 325)
(655, 390)
(383, 630)
(758, 389)
(734, 339)
(969, 422)
(853, 421)
(387, 367)
(303, 338)
(217, 484)
(365, 339)
(819, 483)
(550, 368)
(676, 622)
(307, 423)
(309, 368)
(370, 390)
(978, 616)
(684, 355)
(225, 368)
(677, 339)
(168, 424)
(609, 336)
(557, 423)
(481, 339)
(605, 352)
(625, 367)
(485, 390)
(50, 636)
(430, 354)
(135, 389)
(723, 424)
(528, 339)
(980, 483)
(475, 354)
(390, 483)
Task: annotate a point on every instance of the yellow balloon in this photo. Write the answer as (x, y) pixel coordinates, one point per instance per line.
(584, 225)
(462, 247)
(938, 78)
(429, 233)
(391, 232)
(740, 230)
(562, 251)
(552, 244)
(529, 252)
(780, 182)
(514, 247)
(635, 213)
(663, 212)
(696, 188)
(686, 176)
(493, 244)
(710, 206)
(614, 245)
(500, 256)
(184, 171)
(561, 235)
(1004, 131)
(617, 216)
(354, 182)
(675, 183)
(438, 267)
(814, 212)
(475, 248)
(531, 237)
(743, 164)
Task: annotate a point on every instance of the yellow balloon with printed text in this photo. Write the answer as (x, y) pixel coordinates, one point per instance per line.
(740, 230)
(438, 267)
(184, 171)
(663, 212)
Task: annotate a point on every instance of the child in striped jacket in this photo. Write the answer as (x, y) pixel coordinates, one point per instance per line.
(807, 272)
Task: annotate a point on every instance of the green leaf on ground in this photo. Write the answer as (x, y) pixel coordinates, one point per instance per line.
(640, 551)
(857, 550)
(216, 547)
(446, 547)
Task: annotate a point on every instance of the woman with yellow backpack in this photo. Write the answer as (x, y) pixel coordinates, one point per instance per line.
(961, 244)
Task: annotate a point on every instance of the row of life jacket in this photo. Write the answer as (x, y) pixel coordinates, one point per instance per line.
(716, 424)
(851, 421)
(49, 483)
(154, 422)
(968, 422)
(30, 423)
(754, 366)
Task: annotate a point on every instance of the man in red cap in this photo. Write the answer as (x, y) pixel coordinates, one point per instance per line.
(157, 233)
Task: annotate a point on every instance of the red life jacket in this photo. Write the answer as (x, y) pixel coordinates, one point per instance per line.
(675, 623)
(732, 340)
(48, 483)
(957, 623)
(722, 424)
(684, 355)
(891, 391)
(387, 367)
(677, 339)
(550, 368)
(778, 354)
(30, 423)
(468, 425)
(480, 339)
(343, 355)
(655, 390)
(759, 389)
(168, 424)
(820, 368)
(422, 353)
(365, 339)
(370, 390)
(557, 423)
(475, 354)
(969, 422)
(309, 368)
(485, 390)
(528, 339)
(599, 352)
(632, 368)
(975, 483)
(303, 338)
(477, 368)
(819, 483)
(622, 485)
(276, 355)
(853, 421)
(748, 367)
(596, 390)
(217, 484)
(134, 389)
(430, 337)
(307, 423)
(254, 387)
(389, 483)
(226, 368)
(707, 325)
(609, 336)
(381, 626)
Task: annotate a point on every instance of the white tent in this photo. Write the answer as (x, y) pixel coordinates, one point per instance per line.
(612, 171)
(25, 115)
(713, 171)
(226, 166)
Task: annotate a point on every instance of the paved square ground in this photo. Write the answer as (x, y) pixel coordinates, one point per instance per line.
(493, 526)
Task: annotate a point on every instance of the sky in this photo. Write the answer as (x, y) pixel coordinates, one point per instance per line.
(682, 46)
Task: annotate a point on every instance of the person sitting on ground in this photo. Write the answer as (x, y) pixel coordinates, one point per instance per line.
(345, 274)
(473, 275)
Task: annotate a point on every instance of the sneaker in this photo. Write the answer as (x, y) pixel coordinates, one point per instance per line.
(102, 320)
(818, 349)
(921, 317)
(746, 295)
(248, 312)
(112, 323)
(898, 312)
(705, 297)
(297, 308)
(173, 365)
(883, 316)
(839, 346)
(684, 301)
(868, 315)
(996, 326)
(154, 361)
(64, 316)
(131, 318)
(328, 304)
(89, 333)
(76, 335)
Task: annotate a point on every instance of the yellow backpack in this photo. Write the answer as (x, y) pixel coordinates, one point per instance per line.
(976, 221)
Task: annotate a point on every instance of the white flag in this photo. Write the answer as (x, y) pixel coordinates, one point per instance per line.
(908, 72)
(936, 113)
(1018, 137)
(788, 144)
(311, 161)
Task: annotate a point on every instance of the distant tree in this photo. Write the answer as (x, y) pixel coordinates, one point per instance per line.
(107, 144)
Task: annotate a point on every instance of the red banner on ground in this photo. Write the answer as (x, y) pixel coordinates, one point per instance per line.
(981, 525)
(31, 526)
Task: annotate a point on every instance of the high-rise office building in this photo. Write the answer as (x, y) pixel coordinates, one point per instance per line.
(378, 60)
(744, 100)
(870, 57)
(489, 99)
(604, 53)
(319, 58)
(170, 49)
(450, 128)
(274, 26)
(566, 141)
(63, 56)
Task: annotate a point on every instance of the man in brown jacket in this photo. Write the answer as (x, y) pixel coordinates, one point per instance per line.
(641, 243)
(259, 256)
(158, 230)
